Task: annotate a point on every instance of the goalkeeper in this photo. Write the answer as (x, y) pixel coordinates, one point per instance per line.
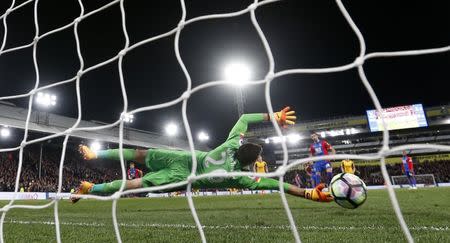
(170, 166)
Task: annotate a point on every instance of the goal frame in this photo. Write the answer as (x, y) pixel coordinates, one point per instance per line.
(417, 176)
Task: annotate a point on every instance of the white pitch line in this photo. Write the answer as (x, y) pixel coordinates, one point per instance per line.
(277, 227)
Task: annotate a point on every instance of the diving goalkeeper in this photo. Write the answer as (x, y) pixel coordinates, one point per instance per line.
(170, 166)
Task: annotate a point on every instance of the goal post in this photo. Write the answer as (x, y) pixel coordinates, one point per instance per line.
(422, 179)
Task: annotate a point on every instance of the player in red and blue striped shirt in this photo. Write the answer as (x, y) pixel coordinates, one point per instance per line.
(133, 172)
(317, 148)
(408, 169)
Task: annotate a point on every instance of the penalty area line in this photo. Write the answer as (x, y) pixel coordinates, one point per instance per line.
(262, 227)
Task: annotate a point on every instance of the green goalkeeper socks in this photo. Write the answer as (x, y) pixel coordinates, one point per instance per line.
(108, 188)
(113, 154)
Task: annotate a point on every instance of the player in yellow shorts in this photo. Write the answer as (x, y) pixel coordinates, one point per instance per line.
(347, 166)
(260, 167)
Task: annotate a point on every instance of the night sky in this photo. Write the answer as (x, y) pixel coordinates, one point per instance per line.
(302, 34)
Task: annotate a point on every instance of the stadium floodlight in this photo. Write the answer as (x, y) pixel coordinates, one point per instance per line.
(237, 72)
(5, 132)
(45, 99)
(347, 131)
(294, 138)
(351, 131)
(278, 139)
(171, 129)
(346, 141)
(95, 146)
(128, 118)
(335, 133)
(203, 136)
(341, 132)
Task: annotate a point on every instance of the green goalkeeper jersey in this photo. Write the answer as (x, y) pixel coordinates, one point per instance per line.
(171, 166)
(222, 159)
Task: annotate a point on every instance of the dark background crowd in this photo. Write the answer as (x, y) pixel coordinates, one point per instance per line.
(76, 169)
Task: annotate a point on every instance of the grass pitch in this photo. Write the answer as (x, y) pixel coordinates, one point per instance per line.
(252, 218)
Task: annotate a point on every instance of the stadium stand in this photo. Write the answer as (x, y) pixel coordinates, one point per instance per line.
(74, 171)
(352, 135)
(15, 117)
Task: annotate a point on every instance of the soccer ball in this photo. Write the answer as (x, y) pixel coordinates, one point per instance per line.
(348, 190)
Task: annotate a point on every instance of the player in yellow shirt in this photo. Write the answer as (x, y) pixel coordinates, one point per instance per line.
(260, 167)
(347, 166)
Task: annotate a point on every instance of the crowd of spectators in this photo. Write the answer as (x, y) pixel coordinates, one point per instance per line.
(440, 170)
(75, 169)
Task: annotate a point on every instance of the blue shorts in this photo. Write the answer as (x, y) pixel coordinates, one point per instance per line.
(409, 173)
(320, 166)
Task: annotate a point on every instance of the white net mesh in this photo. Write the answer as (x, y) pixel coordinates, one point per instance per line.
(183, 98)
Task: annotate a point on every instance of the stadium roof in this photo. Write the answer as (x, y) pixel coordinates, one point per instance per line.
(363, 140)
(45, 122)
(432, 113)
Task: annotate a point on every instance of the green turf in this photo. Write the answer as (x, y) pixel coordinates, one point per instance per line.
(252, 218)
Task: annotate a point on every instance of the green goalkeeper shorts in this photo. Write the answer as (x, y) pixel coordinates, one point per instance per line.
(166, 166)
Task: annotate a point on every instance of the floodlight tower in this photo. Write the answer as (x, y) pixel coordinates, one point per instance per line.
(238, 73)
(203, 136)
(171, 129)
(45, 100)
(95, 146)
(5, 132)
(127, 119)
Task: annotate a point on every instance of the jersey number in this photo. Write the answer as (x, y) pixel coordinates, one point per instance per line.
(221, 161)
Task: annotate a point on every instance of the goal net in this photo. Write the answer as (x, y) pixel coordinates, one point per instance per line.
(422, 179)
(183, 97)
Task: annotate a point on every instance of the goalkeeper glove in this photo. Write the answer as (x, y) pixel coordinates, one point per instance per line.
(285, 116)
(316, 194)
(87, 153)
